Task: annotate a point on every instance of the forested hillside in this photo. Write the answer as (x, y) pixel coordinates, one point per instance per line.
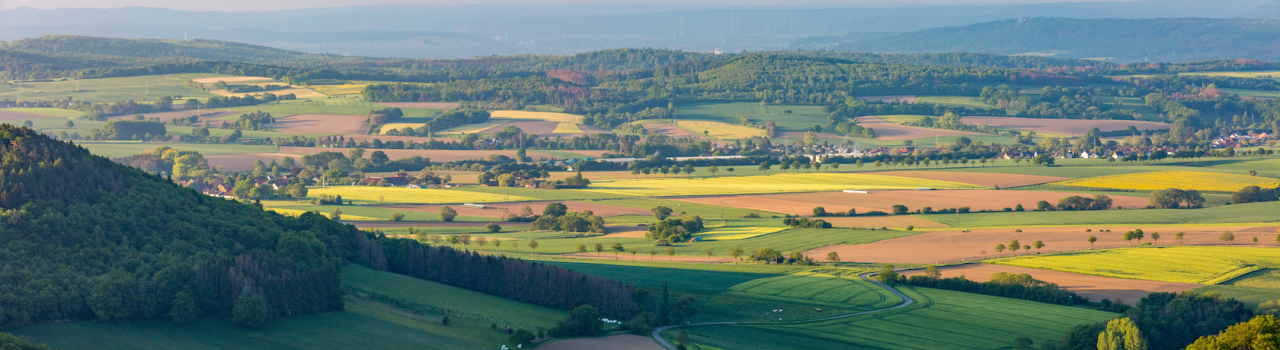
(151, 51)
(1121, 40)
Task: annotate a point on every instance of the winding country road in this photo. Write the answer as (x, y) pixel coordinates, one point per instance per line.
(906, 301)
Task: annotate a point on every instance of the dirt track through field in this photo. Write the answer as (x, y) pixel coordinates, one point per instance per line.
(1093, 287)
(833, 202)
(1072, 127)
(940, 247)
(890, 131)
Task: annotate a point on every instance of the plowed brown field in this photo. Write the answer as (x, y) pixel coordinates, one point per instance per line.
(890, 131)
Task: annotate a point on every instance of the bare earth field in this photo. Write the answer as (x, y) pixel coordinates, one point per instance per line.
(939, 247)
(1073, 127)
(323, 124)
(165, 117)
(615, 342)
(889, 98)
(980, 179)
(227, 79)
(1093, 287)
(244, 162)
(803, 203)
(429, 105)
(494, 210)
(890, 131)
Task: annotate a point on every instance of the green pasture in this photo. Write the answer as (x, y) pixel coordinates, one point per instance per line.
(801, 116)
(715, 278)
(147, 88)
(1252, 212)
(819, 287)
(479, 306)
(51, 112)
(939, 320)
(958, 101)
(1251, 289)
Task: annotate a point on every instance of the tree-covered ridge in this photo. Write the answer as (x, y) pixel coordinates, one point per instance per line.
(144, 51)
(83, 237)
(1123, 40)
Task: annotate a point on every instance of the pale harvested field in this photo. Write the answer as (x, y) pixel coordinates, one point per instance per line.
(227, 79)
(9, 116)
(324, 124)
(980, 179)
(495, 210)
(643, 255)
(669, 130)
(539, 128)
(954, 246)
(890, 131)
(613, 342)
(890, 98)
(537, 116)
(244, 162)
(165, 117)
(436, 155)
(1073, 127)
(296, 91)
(1093, 287)
(429, 105)
(803, 203)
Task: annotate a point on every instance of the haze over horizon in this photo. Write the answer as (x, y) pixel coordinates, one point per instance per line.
(248, 5)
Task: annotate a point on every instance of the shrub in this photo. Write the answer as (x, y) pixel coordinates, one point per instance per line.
(583, 320)
(493, 228)
(250, 310)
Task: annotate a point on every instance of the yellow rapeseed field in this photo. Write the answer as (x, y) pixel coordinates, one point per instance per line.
(775, 183)
(537, 116)
(1203, 265)
(397, 126)
(1195, 180)
(401, 195)
(567, 128)
(731, 233)
(345, 217)
(719, 130)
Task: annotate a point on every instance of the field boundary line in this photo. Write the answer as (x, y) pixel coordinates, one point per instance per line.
(906, 301)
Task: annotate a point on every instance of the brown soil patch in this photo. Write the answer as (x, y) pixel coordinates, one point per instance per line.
(955, 246)
(803, 203)
(227, 79)
(889, 98)
(615, 342)
(495, 210)
(430, 105)
(890, 131)
(434, 154)
(643, 255)
(9, 116)
(1093, 287)
(1073, 127)
(244, 162)
(323, 124)
(980, 179)
(167, 116)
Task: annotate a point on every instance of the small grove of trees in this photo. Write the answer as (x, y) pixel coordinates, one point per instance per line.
(674, 230)
(1254, 194)
(1165, 321)
(1262, 332)
(806, 223)
(1121, 334)
(1172, 198)
(583, 321)
(556, 217)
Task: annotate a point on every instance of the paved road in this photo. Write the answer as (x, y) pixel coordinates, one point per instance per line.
(657, 333)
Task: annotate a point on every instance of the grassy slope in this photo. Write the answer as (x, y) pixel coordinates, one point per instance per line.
(939, 320)
(491, 308)
(147, 88)
(1196, 264)
(1251, 289)
(801, 117)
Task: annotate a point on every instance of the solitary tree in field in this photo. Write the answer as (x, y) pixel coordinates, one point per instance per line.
(1014, 246)
(397, 217)
(447, 214)
(887, 275)
(633, 254)
(515, 245)
(652, 252)
(737, 251)
(710, 252)
(465, 239)
(533, 244)
(1227, 236)
(1155, 236)
(999, 248)
(730, 170)
(833, 257)
(1178, 236)
(1091, 240)
(661, 212)
(582, 248)
(482, 241)
(764, 166)
(599, 248)
(713, 169)
(932, 272)
(435, 239)
(1038, 245)
(454, 240)
(617, 248)
(671, 253)
(336, 214)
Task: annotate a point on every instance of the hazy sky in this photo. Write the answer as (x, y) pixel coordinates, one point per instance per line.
(258, 5)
